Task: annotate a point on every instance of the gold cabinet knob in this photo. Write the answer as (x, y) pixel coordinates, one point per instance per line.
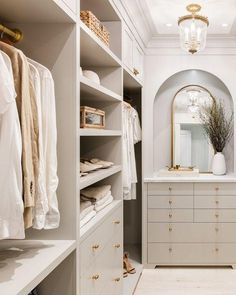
(170, 215)
(216, 229)
(117, 280)
(217, 249)
(217, 202)
(117, 246)
(170, 249)
(216, 215)
(95, 247)
(135, 71)
(170, 229)
(170, 189)
(170, 202)
(217, 188)
(116, 222)
(95, 277)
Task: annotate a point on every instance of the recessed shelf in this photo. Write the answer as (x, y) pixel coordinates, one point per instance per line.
(96, 176)
(94, 52)
(44, 11)
(24, 264)
(98, 219)
(93, 91)
(99, 132)
(130, 81)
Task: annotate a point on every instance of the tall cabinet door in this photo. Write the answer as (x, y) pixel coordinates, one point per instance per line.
(137, 61)
(128, 48)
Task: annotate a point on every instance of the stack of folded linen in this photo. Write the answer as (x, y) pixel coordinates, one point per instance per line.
(87, 166)
(87, 212)
(100, 196)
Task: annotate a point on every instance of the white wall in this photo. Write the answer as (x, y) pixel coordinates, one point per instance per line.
(158, 69)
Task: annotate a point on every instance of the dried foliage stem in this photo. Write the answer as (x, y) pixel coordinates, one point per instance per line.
(217, 125)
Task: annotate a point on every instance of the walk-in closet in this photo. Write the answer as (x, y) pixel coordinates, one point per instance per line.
(117, 147)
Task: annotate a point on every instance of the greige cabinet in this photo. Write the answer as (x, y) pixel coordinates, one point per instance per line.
(191, 223)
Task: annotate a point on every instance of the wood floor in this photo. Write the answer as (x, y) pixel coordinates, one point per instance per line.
(187, 281)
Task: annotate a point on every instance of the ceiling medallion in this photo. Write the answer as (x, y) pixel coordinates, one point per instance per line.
(193, 29)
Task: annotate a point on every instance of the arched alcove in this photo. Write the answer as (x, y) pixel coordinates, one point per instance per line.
(162, 109)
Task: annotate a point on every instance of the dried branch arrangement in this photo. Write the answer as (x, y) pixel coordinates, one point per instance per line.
(218, 126)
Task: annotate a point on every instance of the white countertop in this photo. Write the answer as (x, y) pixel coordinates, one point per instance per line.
(201, 178)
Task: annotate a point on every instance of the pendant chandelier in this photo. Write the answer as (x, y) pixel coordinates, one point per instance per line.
(193, 29)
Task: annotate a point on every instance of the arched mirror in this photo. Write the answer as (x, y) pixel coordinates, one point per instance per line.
(190, 147)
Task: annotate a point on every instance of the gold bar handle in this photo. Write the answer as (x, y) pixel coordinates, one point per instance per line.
(95, 277)
(95, 247)
(116, 222)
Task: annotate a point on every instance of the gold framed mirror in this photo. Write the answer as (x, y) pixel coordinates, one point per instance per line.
(190, 147)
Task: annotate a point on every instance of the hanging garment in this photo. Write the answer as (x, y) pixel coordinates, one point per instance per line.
(11, 203)
(41, 201)
(131, 135)
(49, 140)
(27, 110)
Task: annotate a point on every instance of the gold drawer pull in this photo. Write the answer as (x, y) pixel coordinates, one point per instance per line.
(216, 188)
(95, 247)
(217, 249)
(95, 277)
(117, 280)
(217, 215)
(170, 229)
(116, 222)
(170, 249)
(117, 246)
(136, 72)
(170, 202)
(217, 202)
(217, 229)
(170, 189)
(170, 215)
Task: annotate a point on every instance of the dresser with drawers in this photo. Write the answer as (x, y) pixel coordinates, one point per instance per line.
(101, 264)
(190, 223)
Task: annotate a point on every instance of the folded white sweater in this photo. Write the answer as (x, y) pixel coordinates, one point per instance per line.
(99, 208)
(86, 211)
(87, 218)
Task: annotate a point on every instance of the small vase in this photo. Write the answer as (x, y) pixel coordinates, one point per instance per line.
(218, 164)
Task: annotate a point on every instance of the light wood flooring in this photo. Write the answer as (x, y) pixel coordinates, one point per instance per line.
(187, 281)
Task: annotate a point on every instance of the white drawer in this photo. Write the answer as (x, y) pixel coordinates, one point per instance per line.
(214, 215)
(95, 243)
(171, 215)
(221, 202)
(165, 202)
(184, 254)
(105, 269)
(166, 189)
(220, 189)
(191, 233)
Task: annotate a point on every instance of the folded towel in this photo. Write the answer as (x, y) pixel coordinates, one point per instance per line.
(105, 164)
(87, 218)
(96, 193)
(84, 204)
(99, 208)
(99, 202)
(86, 211)
(88, 167)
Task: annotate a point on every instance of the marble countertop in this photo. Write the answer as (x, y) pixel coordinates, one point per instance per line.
(201, 178)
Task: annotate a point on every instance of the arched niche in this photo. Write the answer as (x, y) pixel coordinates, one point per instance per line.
(162, 109)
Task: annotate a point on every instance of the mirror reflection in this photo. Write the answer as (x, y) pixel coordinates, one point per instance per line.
(190, 145)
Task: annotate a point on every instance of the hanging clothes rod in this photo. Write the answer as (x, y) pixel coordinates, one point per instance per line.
(14, 34)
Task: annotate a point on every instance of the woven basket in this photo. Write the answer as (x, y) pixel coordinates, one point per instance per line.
(95, 25)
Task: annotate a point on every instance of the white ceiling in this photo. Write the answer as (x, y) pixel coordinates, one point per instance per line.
(161, 13)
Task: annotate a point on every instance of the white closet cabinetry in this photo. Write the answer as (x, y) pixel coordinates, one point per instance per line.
(191, 223)
(72, 4)
(133, 56)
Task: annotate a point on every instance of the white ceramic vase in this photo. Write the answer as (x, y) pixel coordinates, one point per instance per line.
(218, 164)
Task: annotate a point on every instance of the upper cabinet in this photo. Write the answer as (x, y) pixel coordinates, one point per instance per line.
(133, 55)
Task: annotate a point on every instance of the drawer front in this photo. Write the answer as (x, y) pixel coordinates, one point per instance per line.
(191, 233)
(166, 202)
(165, 215)
(221, 202)
(214, 215)
(106, 270)
(220, 189)
(95, 243)
(166, 189)
(180, 254)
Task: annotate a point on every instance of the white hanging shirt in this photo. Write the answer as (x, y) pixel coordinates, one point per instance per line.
(41, 201)
(11, 202)
(49, 142)
(131, 135)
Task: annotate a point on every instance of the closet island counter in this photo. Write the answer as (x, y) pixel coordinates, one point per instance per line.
(203, 177)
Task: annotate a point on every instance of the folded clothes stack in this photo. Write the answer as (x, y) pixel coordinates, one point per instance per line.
(87, 211)
(87, 166)
(100, 196)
